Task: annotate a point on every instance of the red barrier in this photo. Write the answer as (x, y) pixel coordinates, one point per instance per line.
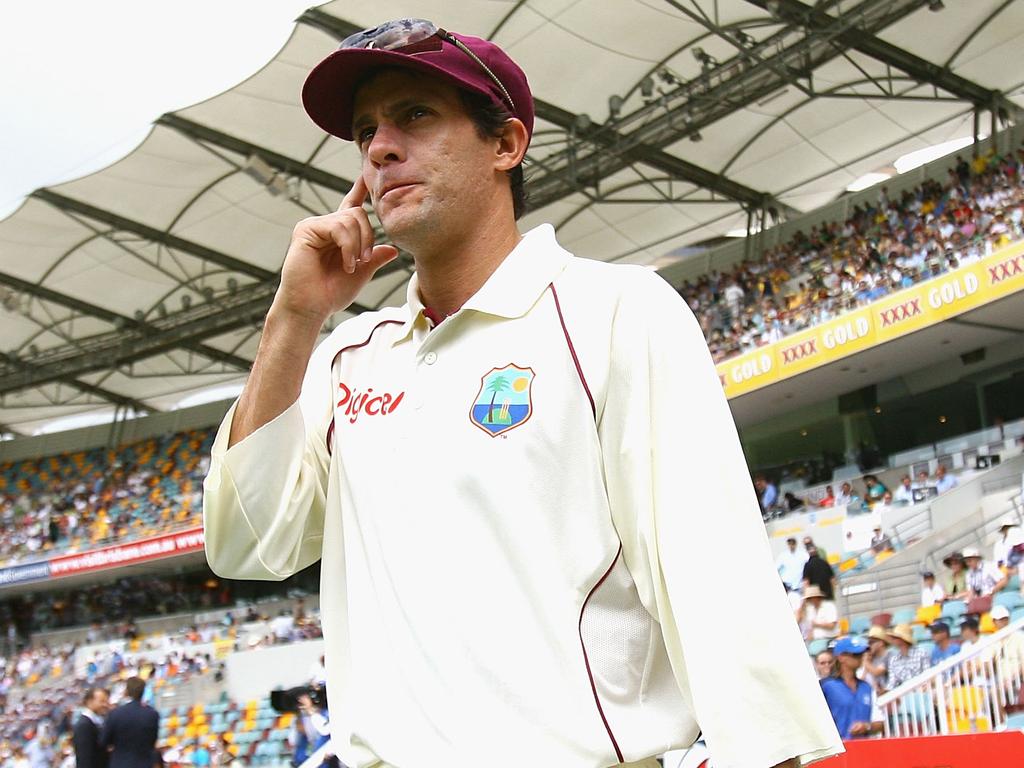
(980, 750)
(139, 551)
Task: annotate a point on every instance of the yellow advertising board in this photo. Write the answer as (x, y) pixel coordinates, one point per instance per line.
(900, 313)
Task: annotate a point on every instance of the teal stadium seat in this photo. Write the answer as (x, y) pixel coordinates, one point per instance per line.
(817, 646)
(859, 625)
(1011, 599)
(904, 617)
(953, 609)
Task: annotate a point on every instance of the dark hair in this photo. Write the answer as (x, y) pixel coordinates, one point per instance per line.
(490, 119)
(90, 692)
(135, 687)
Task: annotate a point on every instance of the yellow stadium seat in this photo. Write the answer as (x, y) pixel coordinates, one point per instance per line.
(926, 614)
(203, 729)
(848, 565)
(229, 736)
(844, 626)
(190, 731)
(884, 555)
(986, 626)
(833, 558)
(171, 741)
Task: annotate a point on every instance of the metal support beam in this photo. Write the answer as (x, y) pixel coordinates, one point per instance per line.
(288, 165)
(152, 234)
(796, 12)
(778, 61)
(675, 167)
(103, 351)
(92, 310)
(82, 386)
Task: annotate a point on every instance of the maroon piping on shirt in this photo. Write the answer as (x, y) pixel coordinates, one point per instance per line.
(586, 660)
(330, 429)
(572, 350)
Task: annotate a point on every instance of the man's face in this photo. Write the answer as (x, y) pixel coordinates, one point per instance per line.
(940, 472)
(792, 545)
(846, 488)
(99, 702)
(887, 498)
(425, 166)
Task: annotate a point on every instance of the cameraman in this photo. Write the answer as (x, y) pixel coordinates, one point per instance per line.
(311, 729)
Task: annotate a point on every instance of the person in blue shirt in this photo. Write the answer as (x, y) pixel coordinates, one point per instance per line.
(944, 646)
(851, 700)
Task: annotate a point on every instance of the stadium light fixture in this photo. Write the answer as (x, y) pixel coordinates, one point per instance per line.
(647, 87)
(615, 103)
(936, 5)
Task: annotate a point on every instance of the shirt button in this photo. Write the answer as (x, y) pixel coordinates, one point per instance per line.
(430, 358)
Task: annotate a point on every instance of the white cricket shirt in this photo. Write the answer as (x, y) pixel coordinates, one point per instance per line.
(535, 523)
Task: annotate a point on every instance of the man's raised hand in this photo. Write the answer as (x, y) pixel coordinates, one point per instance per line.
(330, 259)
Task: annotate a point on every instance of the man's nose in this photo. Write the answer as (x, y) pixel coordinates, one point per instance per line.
(386, 145)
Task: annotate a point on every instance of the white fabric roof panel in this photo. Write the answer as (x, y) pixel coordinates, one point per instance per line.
(576, 53)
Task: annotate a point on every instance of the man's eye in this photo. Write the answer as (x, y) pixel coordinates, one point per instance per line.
(417, 112)
(365, 135)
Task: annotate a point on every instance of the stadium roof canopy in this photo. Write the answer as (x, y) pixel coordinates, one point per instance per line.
(662, 123)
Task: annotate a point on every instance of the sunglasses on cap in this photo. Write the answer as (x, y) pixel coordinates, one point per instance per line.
(416, 36)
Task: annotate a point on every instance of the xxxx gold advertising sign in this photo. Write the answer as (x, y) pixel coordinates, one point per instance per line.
(898, 314)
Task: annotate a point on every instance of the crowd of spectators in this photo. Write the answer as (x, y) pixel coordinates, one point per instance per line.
(90, 498)
(855, 669)
(42, 686)
(872, 495)
(883, 247)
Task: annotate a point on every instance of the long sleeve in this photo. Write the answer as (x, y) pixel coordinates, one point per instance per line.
(694, 541)
(264, 497)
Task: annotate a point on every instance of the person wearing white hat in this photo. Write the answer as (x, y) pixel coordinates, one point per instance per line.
(1010, 537)
(983, 578)
(1010, 656)
(818, 616)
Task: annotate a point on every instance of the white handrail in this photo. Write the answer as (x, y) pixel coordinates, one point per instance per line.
(968, 692)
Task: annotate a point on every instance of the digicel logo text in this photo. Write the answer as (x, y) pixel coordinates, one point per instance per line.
(353, 402)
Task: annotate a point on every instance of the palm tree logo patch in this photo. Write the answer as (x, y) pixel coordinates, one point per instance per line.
(503, 401)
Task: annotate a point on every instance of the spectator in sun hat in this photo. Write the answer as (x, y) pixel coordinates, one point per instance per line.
(851, 700)
(906, 660)
(944, 645)
(931, 593)
(983, 577)
(818, 616)
(955, 583)
(876, 659)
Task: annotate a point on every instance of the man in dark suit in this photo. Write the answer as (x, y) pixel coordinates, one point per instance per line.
(130, 731)
(86, 730)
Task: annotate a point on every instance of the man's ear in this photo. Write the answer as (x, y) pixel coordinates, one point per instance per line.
(511, 145)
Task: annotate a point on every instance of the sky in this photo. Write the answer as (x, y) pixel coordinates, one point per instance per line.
(82, 82)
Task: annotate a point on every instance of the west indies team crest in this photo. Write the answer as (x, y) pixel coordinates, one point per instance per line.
(503, 402)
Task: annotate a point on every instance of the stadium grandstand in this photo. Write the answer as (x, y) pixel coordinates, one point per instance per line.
(837, 192)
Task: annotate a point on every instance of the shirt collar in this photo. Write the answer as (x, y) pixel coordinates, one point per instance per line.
(514, 286)
(92, 716)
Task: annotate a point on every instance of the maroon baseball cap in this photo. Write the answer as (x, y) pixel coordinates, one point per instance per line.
(470, 63)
